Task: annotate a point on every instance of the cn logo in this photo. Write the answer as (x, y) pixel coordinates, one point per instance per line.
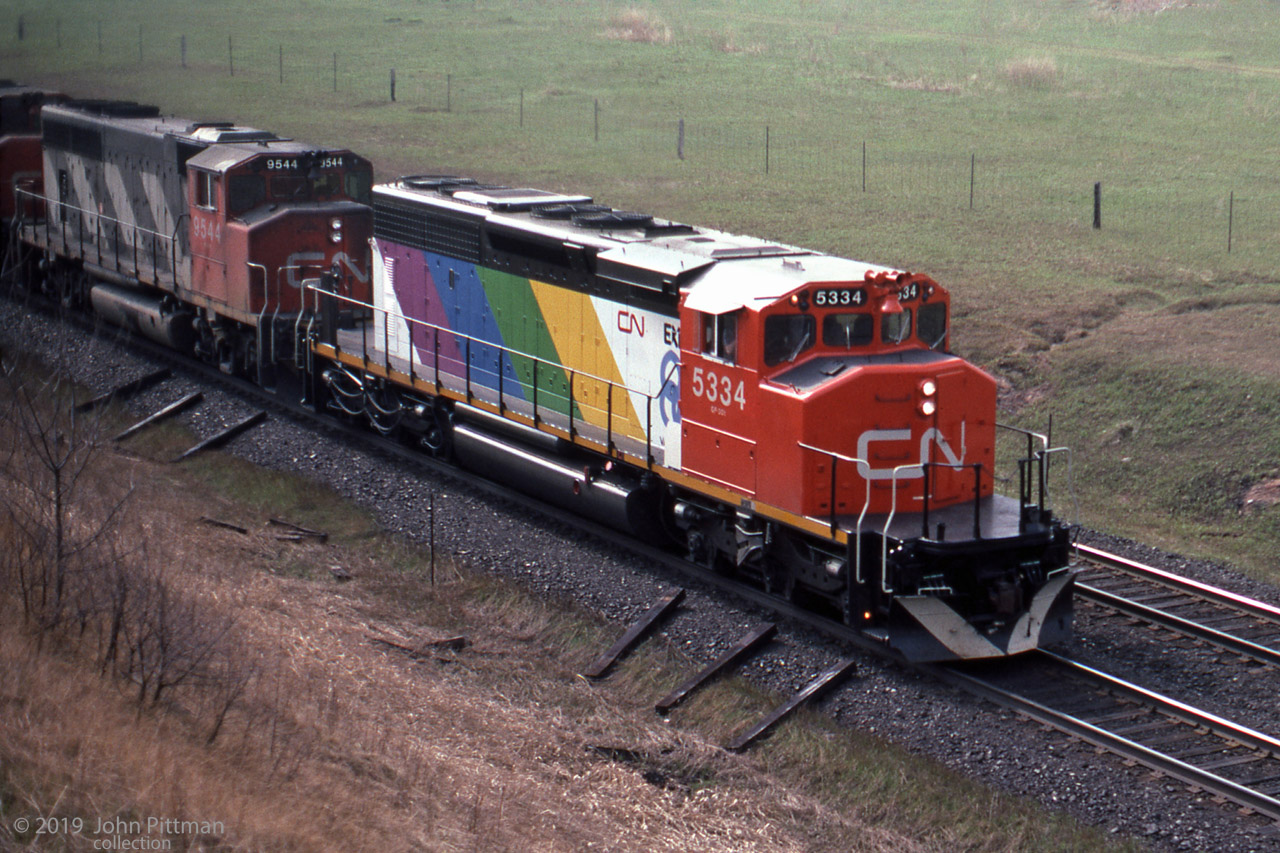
(630, 324)
(299, 262)
(934, 436)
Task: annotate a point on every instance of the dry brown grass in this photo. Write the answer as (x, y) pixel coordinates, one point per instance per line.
(638, 25)
(343, 743)
(1124, 7)
(1033, 72)
(727, 42)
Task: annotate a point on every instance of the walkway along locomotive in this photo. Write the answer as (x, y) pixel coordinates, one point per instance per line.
(782, 415)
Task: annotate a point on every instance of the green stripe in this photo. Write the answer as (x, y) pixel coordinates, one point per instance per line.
(524, 329)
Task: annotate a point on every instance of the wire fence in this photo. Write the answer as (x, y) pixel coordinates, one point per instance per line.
(1189, 218)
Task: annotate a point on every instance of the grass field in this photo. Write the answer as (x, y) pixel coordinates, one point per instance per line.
(1147, 340)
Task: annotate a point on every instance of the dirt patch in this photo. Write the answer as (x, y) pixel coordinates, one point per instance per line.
(1148, 6)
(638, 25)
(1261, 496)
(1238, 337)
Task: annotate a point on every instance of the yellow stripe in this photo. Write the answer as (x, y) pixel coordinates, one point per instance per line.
(582, 345)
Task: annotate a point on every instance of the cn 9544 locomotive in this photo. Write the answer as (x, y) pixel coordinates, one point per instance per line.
(781, 415)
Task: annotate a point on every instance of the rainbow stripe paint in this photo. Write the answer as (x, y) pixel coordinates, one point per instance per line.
(512, 328)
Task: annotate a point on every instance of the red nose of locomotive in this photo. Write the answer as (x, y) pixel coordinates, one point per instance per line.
(881, 433)
(881, 418)
(296, 243)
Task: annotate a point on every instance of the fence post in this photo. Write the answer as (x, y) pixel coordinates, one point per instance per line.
(99, 38)
(231, 57)
(596, 120)
(1097, 204)
(182, 48)
(393, 85)
(335, 72)
(973, 162)
(680, 139)
(522, 107)
(766, 149)
(448, 93)
(864, 165)
(431, 535)
(1231, 216)
(282, 65)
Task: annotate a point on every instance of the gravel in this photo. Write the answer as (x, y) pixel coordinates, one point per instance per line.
(974, 738)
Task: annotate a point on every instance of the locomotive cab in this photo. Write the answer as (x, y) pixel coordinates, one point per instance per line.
(825, 389)
(266, 213)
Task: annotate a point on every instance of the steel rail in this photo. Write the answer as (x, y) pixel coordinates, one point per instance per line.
(1222, 639)
(1225, 597)
(1247, 607)
(1125, 747)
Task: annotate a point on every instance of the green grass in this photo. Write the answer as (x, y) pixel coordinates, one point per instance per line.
(1173, 113)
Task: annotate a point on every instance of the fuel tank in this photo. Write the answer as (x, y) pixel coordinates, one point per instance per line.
(145, 314)
(622, 502)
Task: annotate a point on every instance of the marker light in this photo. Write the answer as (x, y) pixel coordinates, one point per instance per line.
(928, 407)
(335, 234)
(928, 388)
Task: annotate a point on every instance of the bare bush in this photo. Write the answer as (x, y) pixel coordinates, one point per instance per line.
(78, 568)
(59, 518)
(638, 25)
(1033, 73)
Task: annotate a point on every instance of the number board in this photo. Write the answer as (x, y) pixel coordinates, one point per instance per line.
(840, 297)
(293, 164)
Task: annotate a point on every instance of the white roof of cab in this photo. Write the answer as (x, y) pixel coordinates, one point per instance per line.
(758, 283)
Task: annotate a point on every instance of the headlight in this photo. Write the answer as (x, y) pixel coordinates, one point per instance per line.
(928, 388)
(928, 407)
(335, 230)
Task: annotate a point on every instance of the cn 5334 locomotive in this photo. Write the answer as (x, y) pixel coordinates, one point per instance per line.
(782, 415)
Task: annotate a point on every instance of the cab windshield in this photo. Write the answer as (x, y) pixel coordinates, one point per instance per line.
(933, 324)
(788, 335)
(895, 328)
(847, 330)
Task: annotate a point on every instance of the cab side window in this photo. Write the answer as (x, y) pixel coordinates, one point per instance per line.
(206, 190)
(720, 336)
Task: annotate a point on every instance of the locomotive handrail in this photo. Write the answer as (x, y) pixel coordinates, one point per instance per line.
(893, 503)
(173, 250)
(467, 340)
(866, 504)
(266, 297)
(1071, 489)
(99, 221)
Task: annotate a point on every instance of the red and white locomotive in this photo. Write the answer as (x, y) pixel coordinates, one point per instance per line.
(195, 234)
(779, 414)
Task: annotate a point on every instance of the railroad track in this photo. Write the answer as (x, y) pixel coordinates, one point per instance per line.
(1202, 750)
(1220, 617)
